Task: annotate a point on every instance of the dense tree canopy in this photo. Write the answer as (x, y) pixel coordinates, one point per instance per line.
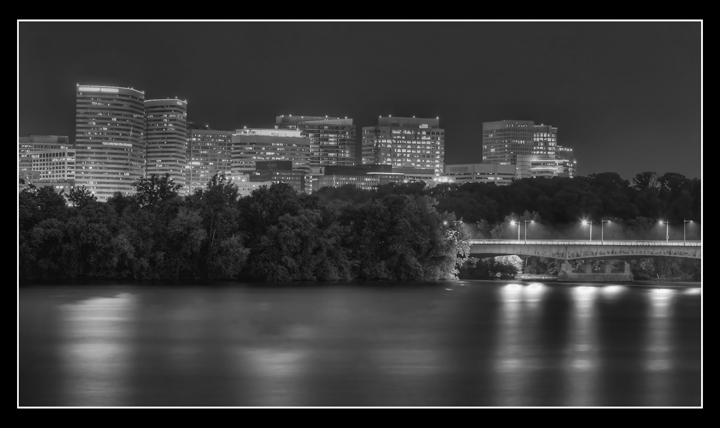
(396, 232)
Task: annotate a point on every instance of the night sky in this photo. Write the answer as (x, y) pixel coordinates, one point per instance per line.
(625, 95)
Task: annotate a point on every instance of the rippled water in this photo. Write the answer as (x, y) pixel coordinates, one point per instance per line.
(465, 343)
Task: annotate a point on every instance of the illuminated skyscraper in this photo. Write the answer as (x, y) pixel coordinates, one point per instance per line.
(30, 150)
(252, 145)
(110, 148)
(505, 140)
(332, 139)
(405, 142)
(166, 139)
(209, 153)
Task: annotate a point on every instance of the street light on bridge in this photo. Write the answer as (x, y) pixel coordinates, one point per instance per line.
(513, 222)
(684, 223)
(526, 222)
(667, 229)
(602, 235)
(590, 223)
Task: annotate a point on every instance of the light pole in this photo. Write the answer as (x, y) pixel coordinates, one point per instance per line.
(590, 223)
(667, 229)
(602, 234)
(526, 222)
(684, 223)
(518, 225)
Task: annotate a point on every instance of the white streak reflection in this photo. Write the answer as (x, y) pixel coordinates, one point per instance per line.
(276, 374)
(582, 359)
(613, 291)
(658, 361)
(514, 359)
(97, 351)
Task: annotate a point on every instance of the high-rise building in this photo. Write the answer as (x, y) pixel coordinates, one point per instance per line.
(109, 142)
(505, 140)
(278, 172)
(252, 145)
(332, 139)
(29, 149)
(166, 139)
(405, 142)
(209, 153)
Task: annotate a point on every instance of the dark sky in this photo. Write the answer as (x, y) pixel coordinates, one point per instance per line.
(625, 95)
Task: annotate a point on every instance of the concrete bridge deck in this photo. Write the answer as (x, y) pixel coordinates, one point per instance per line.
(585, 249)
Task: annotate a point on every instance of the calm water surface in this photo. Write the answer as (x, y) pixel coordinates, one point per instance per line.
(464, 343)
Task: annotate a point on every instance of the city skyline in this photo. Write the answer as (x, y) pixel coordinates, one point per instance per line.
(625, 96)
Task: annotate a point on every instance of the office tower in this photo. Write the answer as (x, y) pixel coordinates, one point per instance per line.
(504, 140)
(252, 145)
(405, 143)
(498, 174)
(278, 172)
(27, 146)
(566, 153)
(47, 160)
(109, 142)
(209, 153)
(166, 139)
(332, 139)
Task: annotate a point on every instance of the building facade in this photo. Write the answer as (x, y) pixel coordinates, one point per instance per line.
(366, 177)
(48, 158)
(533, 166)
(209, 152)
(404, 142)
(332, 139)
(278, 172)
(250, 146)
(504, 141)
(109, 139)
(166, 139)
(245, 188)
(495, 173)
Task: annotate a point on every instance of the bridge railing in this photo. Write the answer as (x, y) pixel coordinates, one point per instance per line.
(585, 242)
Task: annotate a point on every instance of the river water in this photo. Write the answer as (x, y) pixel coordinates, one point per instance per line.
(462, 343)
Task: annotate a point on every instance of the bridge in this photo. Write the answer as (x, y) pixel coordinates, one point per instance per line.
(585, 249)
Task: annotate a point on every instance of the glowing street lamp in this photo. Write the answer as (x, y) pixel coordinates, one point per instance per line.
(684, 223)
(513, 222)
(602, 235)
(590, 223)
(526, 222)
(667, 229)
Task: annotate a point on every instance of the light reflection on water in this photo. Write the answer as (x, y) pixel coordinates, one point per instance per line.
(95, 353)
(486, 343)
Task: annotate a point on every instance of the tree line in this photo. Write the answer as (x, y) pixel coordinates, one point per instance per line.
(275, 234)
(395, 232)
(632, 209)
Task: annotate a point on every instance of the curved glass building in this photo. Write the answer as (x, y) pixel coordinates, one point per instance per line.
(110, 147)
(166, 138)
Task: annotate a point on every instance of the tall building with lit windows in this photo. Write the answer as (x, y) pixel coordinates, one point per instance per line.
(209, 152)
(47, 160)
(250, 146)
(109, 139)
(166, 139)
(505, 140)
(332, 139)
(405, 143)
